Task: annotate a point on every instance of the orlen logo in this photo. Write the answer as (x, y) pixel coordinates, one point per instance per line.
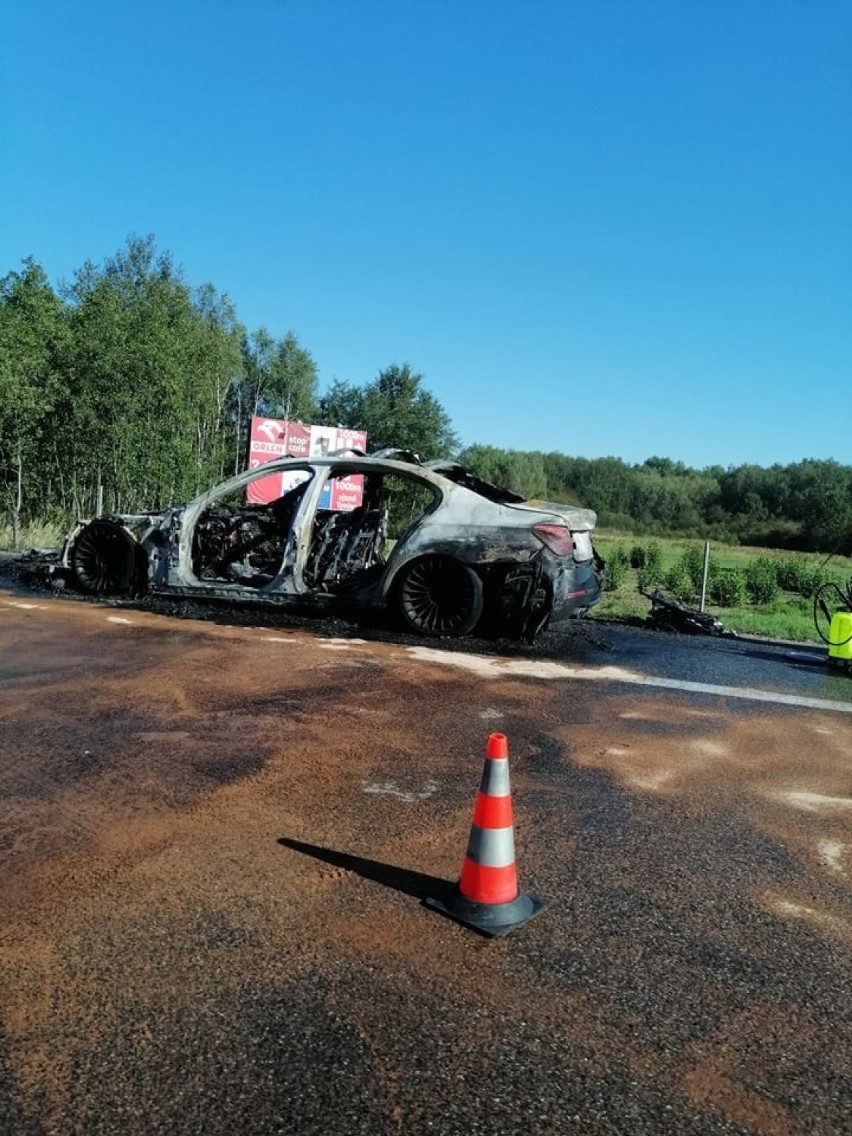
(271, 430)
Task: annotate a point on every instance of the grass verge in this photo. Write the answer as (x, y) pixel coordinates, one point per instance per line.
(787, 615)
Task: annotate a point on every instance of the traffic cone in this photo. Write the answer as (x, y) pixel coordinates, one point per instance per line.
(487, 895)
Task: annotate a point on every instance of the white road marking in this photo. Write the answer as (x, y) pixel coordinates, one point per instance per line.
(490, 713)
(277, 639)
(488, 667)
(118, 619)
(25, 606)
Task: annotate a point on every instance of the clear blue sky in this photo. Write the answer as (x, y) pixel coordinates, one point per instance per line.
(597, 226)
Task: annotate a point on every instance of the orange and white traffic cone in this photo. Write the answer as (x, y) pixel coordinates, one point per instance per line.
(487, 895)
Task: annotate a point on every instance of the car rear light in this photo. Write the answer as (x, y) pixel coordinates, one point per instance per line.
(557, 538)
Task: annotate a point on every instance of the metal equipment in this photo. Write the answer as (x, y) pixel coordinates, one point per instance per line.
(833, 621)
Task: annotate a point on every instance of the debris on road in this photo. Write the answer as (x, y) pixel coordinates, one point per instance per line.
(670, 615)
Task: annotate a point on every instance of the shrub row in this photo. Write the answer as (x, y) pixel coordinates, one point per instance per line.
(758, 582)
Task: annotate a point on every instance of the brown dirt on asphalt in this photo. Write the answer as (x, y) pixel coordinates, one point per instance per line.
(151, 768)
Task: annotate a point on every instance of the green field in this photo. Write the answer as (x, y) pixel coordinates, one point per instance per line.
(788, 614)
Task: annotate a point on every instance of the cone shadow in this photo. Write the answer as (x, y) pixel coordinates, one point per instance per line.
(416, 884)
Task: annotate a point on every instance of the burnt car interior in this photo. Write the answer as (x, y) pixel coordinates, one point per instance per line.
(238, 543)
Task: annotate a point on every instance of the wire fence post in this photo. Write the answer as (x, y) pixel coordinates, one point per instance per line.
(705, 573)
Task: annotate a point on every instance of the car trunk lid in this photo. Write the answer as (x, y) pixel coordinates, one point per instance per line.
(580, 521)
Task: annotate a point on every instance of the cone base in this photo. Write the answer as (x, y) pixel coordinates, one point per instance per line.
(493, 919)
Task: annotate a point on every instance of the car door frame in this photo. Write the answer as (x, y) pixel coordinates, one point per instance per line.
(288, 578)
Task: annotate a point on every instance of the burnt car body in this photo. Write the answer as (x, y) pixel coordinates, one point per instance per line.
(431, 542)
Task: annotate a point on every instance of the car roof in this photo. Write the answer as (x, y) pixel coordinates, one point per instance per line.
(441, 468)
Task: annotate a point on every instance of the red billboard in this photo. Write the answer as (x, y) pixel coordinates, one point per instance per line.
(276, 438)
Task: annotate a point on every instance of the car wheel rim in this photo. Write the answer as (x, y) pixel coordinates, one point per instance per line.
(103, 559)
(436, 597)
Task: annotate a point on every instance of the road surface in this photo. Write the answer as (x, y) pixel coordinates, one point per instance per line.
(215, 840)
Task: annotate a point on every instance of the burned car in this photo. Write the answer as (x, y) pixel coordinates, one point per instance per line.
(442, 550)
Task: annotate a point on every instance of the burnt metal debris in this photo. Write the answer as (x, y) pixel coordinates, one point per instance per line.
(667, 614)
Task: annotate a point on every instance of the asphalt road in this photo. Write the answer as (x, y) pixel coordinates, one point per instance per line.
(215, 841)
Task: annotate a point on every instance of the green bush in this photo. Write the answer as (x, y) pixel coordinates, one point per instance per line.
(678, 581)
(812, 580)
(616, 566)
(802, 577)
(793, 575)
(647, 558)
(726, 587)
(818, 576)
(761, 581)
(654, 560)
(648, 581)
(693, 564)
(684, 577)
(651, 576)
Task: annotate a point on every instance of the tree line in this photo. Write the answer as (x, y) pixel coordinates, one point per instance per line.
(127, 389)
(806, 505)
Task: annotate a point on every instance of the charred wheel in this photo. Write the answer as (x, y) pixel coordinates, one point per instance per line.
(437, 595)
(104, 559)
